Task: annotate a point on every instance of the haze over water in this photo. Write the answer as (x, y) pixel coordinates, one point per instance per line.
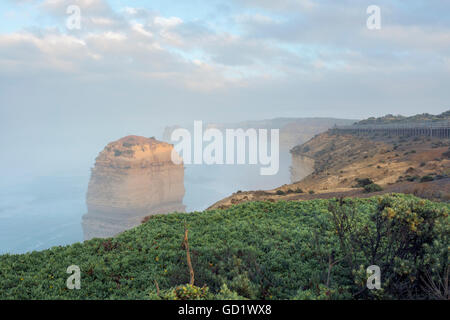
(135, 66)
(47, 211)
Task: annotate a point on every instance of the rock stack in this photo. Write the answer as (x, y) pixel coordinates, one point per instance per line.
(133, 177)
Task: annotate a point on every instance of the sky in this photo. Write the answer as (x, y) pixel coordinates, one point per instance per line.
(134, 67)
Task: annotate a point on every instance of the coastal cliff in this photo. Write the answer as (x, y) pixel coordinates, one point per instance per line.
(133, 177)
(301, 167)
(411, 165)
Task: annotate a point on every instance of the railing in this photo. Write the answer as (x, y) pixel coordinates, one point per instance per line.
(423, 128)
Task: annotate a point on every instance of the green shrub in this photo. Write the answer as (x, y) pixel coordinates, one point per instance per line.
(182, 292)
(361, 183)
(426, 179)
(254, 250)
(400, 237)
(322, 292)
(190, 292)
(227, 294)
(446, 154)
(373, 187)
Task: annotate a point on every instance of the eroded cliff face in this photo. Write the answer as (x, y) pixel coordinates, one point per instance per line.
(397, 163)
(340, 159)
(301, 167)
(133, 177)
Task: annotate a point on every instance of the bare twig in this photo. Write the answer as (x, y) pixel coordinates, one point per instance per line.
(331, 263)
(157, 287)
(188, 255)
(438, 290)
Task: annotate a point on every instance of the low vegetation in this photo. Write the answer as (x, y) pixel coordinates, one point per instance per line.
(390, 119)
(373, 187)
(317, 249)
(426, 179)
(362, 182)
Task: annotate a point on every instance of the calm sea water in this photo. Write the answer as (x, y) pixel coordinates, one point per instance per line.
(47, 211)
(44, 213)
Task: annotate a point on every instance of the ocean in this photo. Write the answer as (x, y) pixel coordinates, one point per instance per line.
(47, 211)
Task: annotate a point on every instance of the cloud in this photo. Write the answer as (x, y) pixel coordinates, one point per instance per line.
(140, 28)
(281, 5)
(58, 7)
(249, 47)
(134, 70)
(167, 22)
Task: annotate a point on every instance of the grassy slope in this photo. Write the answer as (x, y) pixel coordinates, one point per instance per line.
(259, 249)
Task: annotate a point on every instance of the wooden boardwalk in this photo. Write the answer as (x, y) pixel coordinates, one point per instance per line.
(440, 129)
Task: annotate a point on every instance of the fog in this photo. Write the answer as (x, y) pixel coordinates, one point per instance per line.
(135, 69)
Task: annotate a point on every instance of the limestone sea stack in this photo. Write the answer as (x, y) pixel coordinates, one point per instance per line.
(133, 177)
